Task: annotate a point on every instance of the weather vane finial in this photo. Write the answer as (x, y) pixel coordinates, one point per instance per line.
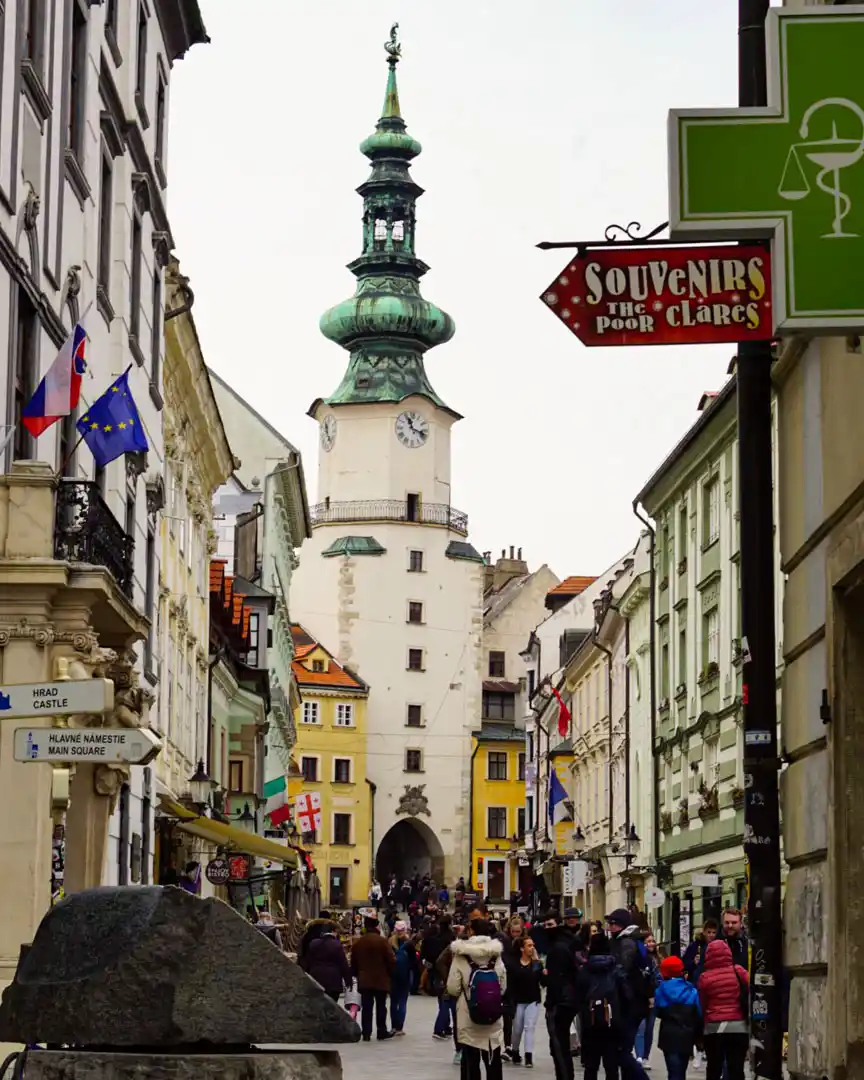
(393, 47)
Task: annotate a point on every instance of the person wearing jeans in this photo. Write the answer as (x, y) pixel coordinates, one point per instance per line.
(524, 1023)
(645, 1038)
(524, 989)
(400, 986)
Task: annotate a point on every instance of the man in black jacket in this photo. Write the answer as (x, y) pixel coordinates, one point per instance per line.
(734, 936)
(559, 978)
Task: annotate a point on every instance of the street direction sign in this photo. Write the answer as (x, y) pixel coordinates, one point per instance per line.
(66, 697)
(132, 746)
(626, 295)
(793, 171)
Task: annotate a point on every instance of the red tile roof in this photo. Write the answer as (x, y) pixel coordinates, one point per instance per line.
(333, 675)
(572, 586)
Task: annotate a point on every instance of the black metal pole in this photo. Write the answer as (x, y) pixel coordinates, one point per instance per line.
(761, 762)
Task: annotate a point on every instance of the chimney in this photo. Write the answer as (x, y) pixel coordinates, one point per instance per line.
(508, 568)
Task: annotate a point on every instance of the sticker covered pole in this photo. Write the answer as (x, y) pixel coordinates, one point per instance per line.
(759, 693)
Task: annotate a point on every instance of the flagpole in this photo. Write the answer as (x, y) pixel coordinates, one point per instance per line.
(7, 438)
(68, 458)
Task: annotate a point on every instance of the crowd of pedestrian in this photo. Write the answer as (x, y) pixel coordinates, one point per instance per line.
(601, 989)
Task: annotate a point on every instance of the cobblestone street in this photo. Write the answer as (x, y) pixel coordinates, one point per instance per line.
(417, 1056)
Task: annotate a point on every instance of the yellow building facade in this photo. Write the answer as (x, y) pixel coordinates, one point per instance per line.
(330, 760)
(497, 810)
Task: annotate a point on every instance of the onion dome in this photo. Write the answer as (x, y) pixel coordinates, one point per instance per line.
(387, 325)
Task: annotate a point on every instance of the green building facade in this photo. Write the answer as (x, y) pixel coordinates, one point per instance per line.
(693, 500)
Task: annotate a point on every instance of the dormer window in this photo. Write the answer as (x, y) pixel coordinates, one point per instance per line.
(318, 665)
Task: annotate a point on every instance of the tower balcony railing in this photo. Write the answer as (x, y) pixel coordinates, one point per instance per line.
(420, 513)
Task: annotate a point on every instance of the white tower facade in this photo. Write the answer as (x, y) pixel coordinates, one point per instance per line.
(389, 582)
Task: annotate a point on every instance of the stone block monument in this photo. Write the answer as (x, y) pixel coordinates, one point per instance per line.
(154, 982)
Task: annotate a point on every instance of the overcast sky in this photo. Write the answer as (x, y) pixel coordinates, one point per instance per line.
(538, 122)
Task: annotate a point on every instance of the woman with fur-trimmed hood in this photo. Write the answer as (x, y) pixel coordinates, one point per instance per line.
(484, 950)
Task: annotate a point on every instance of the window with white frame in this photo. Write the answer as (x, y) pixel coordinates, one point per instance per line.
(309, 769)
(712, 510)
(710, 761)
(711, 623)
(311, 712)
(345, 714)
(496, 822)
(341, 828)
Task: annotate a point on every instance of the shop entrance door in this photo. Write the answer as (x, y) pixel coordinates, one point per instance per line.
(338, 886)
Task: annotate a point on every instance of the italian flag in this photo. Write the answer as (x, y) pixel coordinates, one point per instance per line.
(276, 803)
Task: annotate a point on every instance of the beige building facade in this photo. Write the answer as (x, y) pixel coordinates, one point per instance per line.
(85, 235)
(820, 387)
(197, 460)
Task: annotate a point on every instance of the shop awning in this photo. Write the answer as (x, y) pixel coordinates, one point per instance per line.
(227, 836)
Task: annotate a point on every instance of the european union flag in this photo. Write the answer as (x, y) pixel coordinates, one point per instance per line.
(112, 426)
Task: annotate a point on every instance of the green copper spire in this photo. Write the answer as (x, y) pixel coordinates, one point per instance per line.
(387, 326)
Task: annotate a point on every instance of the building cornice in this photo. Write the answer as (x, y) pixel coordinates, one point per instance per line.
(713, 427)
(191, 407)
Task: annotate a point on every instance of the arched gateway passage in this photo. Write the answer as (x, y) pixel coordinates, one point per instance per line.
(409, 847)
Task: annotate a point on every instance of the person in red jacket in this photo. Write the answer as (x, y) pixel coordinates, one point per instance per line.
(724, 997)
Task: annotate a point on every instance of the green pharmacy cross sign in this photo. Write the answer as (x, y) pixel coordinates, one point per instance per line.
(792, 172)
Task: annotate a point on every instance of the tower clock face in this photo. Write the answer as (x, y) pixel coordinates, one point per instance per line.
(411, 429)
(328, 432)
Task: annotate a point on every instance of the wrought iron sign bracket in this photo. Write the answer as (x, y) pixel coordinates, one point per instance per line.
(627, 236)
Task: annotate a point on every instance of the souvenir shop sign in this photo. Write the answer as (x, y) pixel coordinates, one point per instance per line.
(665, 295)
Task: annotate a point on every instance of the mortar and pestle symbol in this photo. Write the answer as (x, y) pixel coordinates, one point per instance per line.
(831, 155)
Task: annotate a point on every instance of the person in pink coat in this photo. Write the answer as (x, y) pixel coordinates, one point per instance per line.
(724, 997)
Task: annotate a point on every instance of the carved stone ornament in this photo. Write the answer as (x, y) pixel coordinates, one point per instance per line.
(136, 464)
(212, 542)
(107, 781)
(155, 489)
(161, 247)
(131, 701)
(413, 802)
(30, 212)
(72, 284)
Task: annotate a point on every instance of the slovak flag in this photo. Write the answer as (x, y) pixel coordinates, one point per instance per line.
(57, 395)
(558, 801)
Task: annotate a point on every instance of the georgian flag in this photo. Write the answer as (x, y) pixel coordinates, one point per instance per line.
(58, 393)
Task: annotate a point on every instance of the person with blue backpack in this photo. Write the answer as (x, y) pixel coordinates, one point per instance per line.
(477, 982)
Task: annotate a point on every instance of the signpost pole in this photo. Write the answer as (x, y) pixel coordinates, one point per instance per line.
(761, 762)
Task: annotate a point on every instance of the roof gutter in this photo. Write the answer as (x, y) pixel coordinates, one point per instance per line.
(652, 571)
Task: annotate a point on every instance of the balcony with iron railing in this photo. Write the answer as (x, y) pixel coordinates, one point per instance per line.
(85, 531)
(417, 513)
